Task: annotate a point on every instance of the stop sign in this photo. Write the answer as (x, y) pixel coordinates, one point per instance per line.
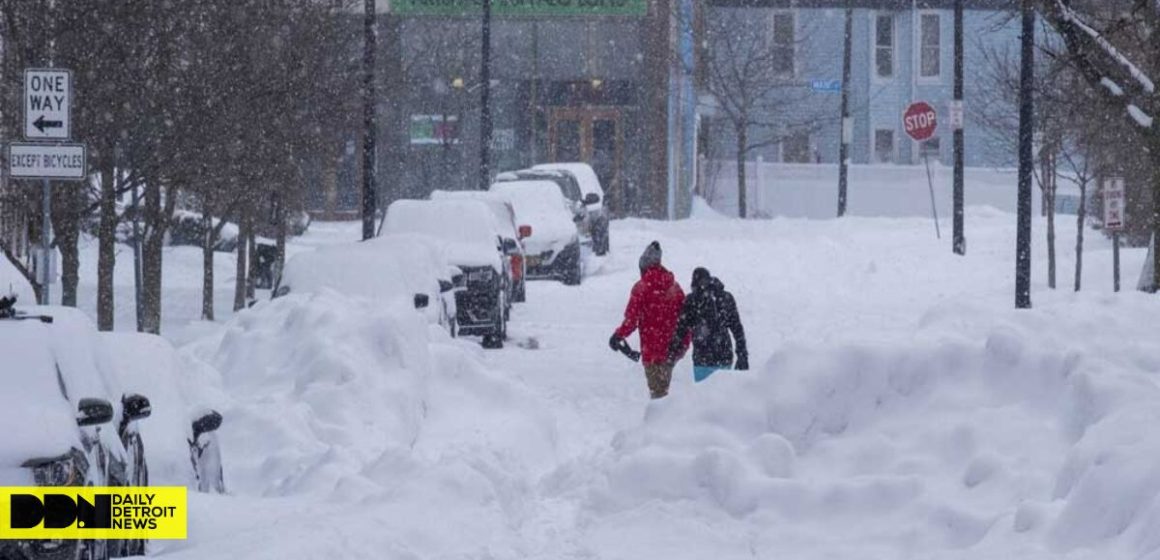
(920, 120)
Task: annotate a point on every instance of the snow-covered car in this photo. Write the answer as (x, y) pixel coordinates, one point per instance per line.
(592, 194)
(408, 268)
(584, 217)
(79, 419)
(553, 248)
(472, 242)
(505, 217)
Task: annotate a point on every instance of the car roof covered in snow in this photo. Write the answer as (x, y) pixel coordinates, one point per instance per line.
(466, 228)
(48, 369)
(501, 209)
(585, 175)
(541, 205)
(392, 267)
(566, 181)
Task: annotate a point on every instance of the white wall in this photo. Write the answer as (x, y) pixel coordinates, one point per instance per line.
(811, 191)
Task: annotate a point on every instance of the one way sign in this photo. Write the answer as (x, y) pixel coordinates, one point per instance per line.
(47, 104)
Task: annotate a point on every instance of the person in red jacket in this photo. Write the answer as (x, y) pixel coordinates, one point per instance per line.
(652, 309)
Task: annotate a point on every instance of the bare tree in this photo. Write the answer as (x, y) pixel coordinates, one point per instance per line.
(752, 73)
(1111, 44)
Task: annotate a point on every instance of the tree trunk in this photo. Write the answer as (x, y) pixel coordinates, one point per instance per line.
(1081, 217)
(156, 226)
(742, 141)
(207, 244)
(240, 276)
(107, 246)
(1155, 153)
(280, 259)
(252, 276)
(66, 217)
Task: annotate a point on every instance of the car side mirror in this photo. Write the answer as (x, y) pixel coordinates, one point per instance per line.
(446, 286)
(458, 279)
(578, 218)
(136, 407)
(422, 301)
(210, 422)
(509, 245)
(591, 198)
(93, 412)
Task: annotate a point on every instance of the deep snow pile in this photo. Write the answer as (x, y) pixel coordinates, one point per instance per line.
(323, 388)
(1004, 443)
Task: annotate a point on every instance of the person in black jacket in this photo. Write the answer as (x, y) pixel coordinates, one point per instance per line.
(710, 313)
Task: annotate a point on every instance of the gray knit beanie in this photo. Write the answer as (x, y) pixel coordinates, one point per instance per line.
(651, 256)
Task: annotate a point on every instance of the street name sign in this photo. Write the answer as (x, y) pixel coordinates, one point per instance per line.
(47, 161)
(47, 104)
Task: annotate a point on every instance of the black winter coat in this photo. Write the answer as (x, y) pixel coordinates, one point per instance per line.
(710, 313)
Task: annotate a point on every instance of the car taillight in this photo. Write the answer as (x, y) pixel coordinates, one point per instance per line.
(517, 267)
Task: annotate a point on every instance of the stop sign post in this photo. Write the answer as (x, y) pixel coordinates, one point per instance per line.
(920, 121)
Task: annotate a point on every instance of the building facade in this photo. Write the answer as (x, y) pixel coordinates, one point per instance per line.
(903, 51)
(571, 80)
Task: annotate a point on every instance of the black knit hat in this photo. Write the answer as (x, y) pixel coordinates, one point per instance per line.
(651, 256)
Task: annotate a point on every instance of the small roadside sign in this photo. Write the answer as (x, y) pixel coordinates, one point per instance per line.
(1114, 204)
(956, 114)
(47, 104)
(920, 121)
(47, 161)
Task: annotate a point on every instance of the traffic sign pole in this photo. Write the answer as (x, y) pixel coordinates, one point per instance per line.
(920, 121)
(1116, 261)
(930, 185)
(46, 250)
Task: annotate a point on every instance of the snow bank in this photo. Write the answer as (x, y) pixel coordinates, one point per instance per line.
(990, 438)
(326, 389)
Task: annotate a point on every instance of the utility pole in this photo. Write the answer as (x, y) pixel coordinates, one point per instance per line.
(847, 124)
(959, 121)
(370, 191)
(1026, 117)
(485, 101)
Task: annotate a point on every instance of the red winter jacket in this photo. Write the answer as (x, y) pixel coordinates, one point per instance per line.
(653, 308)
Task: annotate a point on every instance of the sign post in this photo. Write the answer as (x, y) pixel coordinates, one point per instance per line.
(48, 122)
(1113, 190)
(920, 121)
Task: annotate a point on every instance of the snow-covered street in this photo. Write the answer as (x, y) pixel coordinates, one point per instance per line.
(898, 407)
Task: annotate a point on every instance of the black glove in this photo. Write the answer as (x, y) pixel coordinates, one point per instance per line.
(615, 343)
(742, 362)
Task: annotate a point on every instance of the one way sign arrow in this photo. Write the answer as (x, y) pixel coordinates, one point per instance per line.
(42, 124)
(47, 104)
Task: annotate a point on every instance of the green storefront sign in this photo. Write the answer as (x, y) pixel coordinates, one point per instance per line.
(503, 8)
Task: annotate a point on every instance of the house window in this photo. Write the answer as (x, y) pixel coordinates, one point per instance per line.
(884, 46)
(884, 146)
(931, 37)
(930, 149)
(783, 43)
(796, 148)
